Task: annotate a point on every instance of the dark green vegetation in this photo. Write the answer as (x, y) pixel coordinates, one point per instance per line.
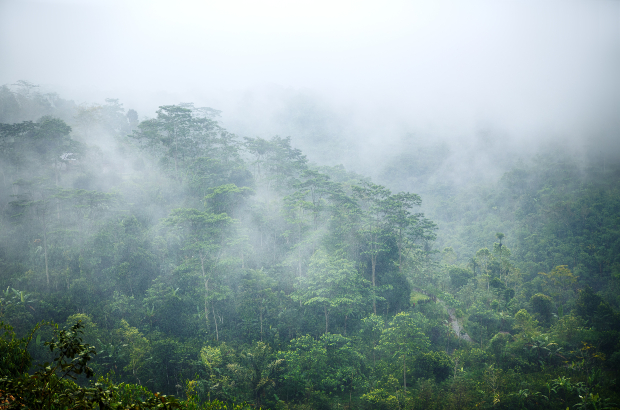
(225, 270)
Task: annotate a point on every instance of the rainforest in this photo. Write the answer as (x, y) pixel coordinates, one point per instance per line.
(186, 266)
(309, 205)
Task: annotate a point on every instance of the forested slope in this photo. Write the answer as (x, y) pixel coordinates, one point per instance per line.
(217, 267)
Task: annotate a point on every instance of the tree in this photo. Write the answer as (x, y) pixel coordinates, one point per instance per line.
(276, 161)
(371, 331)
(261, 369)
(484, 258)
(306, 365)
(14, 149)
(259, 148)
(405, 337)
(459, 276)
(344, 220)
(137, 347)
(597, 311)
(433, 365)
(202, 235)
(315, 188)
(542, 305)
(36, 151)
(177, 136)
(398, 213)
(218, 361)
(11, 297)
(258, 299)
(296, 214)
(332, 283)
(373, 224)
(559, 282)
(226, 198)
(526, 323)
(328, 365)
(50, 140)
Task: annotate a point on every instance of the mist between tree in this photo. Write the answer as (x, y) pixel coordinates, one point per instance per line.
(227, 269)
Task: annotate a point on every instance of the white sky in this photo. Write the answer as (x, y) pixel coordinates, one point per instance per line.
(529, 66)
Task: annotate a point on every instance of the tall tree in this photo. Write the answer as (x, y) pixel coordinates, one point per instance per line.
(51, 141)
(373, 224)
(226, 198)
(404, 337)
(332, 283)
(175, 135)
(276, 161)
(203, 236)
(409, 228)
(258, 299)
(398, 210)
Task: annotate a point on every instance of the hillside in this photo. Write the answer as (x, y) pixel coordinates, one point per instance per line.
(212, 266)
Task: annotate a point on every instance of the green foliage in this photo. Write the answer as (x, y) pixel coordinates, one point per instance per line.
(483, 323)
(48, 387)
(304, 299)
(459, 276)
(497, 345)
(329, 364)
(542, 306)
(332, 284)
(403, 338)
(525, 322)
(381, 400)
(433, 365)
(597, 311)
(14, 358)
(135, 347)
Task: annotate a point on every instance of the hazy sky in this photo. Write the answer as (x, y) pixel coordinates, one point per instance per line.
(527, 67)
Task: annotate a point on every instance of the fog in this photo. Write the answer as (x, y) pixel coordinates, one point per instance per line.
(302, 204)
(365, 81)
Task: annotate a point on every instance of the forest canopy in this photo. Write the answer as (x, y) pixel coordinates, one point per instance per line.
(147, 258)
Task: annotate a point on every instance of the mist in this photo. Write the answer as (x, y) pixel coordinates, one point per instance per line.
(310, 204)
(366, 78)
